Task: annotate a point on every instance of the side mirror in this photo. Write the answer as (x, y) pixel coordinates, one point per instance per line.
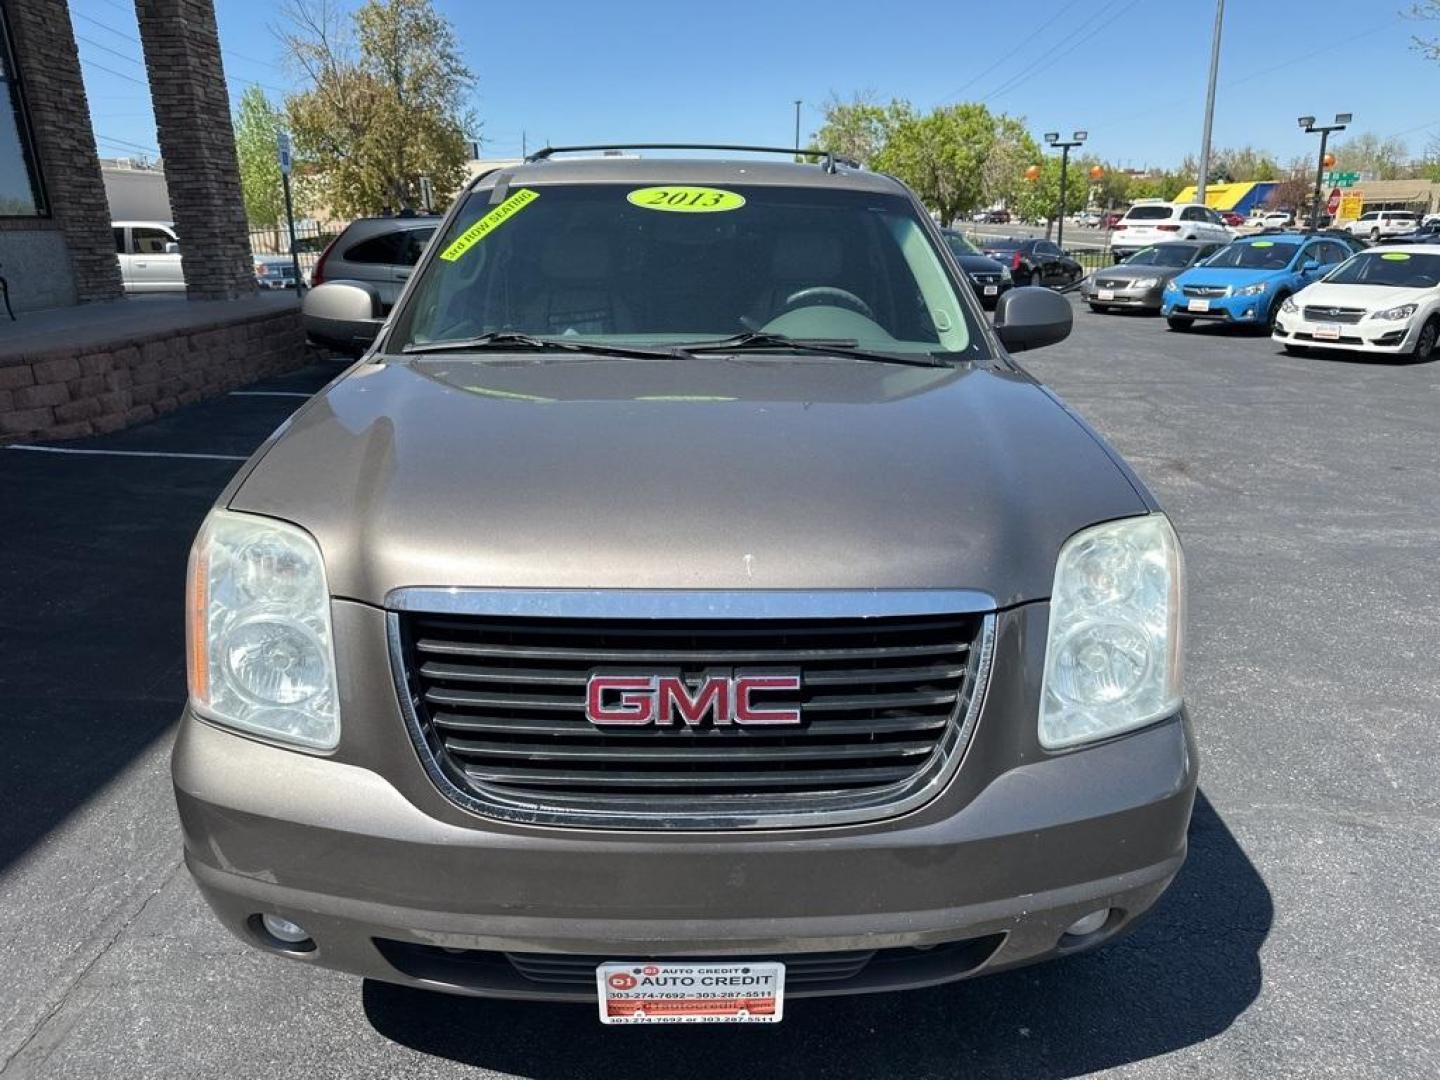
(1031, 318)
(1308, 265)
(343, 314)
(172, 248)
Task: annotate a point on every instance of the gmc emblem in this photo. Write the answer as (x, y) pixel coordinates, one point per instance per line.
(629, 700)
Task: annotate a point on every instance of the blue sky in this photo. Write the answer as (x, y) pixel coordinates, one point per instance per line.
(1131, 72)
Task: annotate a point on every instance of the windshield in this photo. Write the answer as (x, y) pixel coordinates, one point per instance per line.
(1400, 269)
(959, 245)
(664, 265)
(1163, 255)
(1257, 255)
(1148, 213)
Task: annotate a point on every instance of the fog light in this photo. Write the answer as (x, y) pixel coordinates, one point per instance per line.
(285, 930)
(1082, 926)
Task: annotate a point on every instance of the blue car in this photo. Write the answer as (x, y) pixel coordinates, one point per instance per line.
(1245, 282)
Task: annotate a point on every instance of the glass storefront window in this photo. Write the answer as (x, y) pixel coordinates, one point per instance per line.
(21, 194)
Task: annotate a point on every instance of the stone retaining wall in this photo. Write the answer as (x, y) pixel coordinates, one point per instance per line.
(94, 389)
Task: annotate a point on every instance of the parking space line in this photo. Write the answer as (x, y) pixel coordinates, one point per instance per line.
(270, 393)
(126, 453)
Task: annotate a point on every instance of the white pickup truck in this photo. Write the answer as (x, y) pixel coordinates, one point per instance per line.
(149, 254)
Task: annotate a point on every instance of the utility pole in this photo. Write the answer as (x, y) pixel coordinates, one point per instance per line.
(1204, 178)
(1342, 120)
(1053, 139)
(798, 103)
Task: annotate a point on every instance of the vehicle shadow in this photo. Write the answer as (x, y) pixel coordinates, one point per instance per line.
(1183, 976)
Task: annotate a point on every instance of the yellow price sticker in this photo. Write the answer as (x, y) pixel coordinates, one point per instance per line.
(1263, 243)
(489, 223)
(686, 200)
(1395, 256)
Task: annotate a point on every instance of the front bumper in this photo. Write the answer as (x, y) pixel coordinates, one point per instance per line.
(394, 883)
(1148, 299)
(1368, 335)
(1240, 310)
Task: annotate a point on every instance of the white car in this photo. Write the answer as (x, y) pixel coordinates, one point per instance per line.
(1381, 300)
(149, 254)
(1088, 218)
(1277, 219)
(1378, 223)
(1158, 222)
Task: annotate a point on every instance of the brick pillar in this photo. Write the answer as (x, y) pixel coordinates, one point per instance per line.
(192, 120)
(65, 144)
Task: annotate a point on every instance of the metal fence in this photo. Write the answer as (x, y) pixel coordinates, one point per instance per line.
(311, 239)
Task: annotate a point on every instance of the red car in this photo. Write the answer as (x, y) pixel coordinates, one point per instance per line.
(1232, 219)
(1112, 219)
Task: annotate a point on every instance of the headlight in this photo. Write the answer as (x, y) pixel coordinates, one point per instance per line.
(1396, 314)
(1288, 306)
(1113, 659)
(1145, 283)
(1253, 290)
(258, 631)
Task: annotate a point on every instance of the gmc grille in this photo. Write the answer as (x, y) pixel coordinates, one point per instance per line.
(497, 710)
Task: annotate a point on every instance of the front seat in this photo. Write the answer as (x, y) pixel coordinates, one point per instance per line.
(576, 289)
(799, 260)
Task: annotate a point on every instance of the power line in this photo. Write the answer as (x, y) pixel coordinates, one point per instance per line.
(132, 38)
(1025, 43)
(1099, 21)
(112, 71)
(106, 48)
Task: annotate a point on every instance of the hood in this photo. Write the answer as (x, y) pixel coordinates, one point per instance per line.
(979, 264)
(1227, 275)
(1126, 272)
(750, 473)
(1370, 297)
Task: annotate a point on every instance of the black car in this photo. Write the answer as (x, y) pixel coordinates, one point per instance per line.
(989, 277)
(1035, 262)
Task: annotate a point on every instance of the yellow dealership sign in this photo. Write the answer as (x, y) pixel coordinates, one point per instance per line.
(1352, 204)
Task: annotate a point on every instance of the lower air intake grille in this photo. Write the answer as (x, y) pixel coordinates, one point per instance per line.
(497, 707)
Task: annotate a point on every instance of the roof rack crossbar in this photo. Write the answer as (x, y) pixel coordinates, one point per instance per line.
(831, 158)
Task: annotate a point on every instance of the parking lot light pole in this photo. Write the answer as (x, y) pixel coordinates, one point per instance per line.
(1342, 120)
(1052, 138)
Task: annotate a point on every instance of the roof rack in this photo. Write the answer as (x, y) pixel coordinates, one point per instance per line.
(831, 158)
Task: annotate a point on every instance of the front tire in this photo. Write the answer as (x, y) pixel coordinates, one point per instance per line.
(1179, 323)
(1425, 344)
(1274, 315)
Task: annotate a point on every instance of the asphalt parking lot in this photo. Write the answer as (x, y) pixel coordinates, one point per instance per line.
(1301, 940)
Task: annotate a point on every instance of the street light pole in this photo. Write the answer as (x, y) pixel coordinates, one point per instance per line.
(1053, 139)
(1342, 120)
(798, 102)
(1210, 104)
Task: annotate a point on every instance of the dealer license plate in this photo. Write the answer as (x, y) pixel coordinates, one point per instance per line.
(650, 993)
(991, 290)
(1107, 294)
(1327, 331)
(1199, 305)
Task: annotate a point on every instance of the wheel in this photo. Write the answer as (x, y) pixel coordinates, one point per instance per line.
(1179, 322)
(1374, 235)
(1274, 314)
(1425, 343)
(1099, 309)
(1034, 278)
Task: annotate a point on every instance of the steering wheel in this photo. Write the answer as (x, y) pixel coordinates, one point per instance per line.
(818, 294)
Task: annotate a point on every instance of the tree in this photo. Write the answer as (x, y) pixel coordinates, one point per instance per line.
(1002, 176)
(1367, 152)
(859, 128)
(257, 123)
(1426, 9)
(1040, 198)
(385, 105)
(940, 155)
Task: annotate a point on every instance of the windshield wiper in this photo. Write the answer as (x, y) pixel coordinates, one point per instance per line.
(759, 340)
(510, 340)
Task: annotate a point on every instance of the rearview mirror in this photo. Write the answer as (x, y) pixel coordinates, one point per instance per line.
(342, 314)
(1031, 318)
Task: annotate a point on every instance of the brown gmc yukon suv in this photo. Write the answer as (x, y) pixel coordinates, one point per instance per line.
(685, 603)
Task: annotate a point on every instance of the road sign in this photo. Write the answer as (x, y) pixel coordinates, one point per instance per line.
(282, 151)
(1342, 179)
(1352, 205)
(1332, 206)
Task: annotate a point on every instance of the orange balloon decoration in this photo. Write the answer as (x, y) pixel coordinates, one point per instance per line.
(1032, 173)
(1096, 172)
(1329, 161)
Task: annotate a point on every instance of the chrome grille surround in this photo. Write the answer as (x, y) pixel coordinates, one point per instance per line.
(748, 810)
(1333, 314)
